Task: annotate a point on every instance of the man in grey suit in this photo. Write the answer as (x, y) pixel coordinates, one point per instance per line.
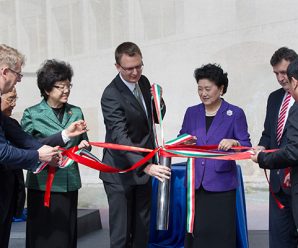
(126, 107)
(287, 155)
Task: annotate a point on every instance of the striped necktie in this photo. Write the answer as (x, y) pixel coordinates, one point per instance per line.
(282, 117)
(280, 128)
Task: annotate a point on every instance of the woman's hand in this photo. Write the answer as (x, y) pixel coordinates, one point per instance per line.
(192, 141)
(76, 128)
(226, 144)
(84, 144)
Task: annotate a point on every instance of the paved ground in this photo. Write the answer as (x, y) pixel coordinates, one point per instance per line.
(257, 217)
(100, 239)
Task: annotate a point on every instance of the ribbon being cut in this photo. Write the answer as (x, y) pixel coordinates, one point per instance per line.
(172, 148)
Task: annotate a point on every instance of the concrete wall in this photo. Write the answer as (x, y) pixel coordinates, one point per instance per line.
(175, 37)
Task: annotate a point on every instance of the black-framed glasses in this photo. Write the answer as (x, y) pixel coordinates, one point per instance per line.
(20, 75)
(131, 69)
(63, 87)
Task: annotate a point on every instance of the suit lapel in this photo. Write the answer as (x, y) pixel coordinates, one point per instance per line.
(201, 117)
(129, 97)
(67, 115)
(49, 114)
(147, 99)
(218, 119)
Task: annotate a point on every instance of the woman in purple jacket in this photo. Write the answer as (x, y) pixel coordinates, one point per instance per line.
(214, 121)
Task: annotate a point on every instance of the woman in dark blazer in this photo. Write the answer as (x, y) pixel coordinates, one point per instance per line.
(214, 121)
(55, 226)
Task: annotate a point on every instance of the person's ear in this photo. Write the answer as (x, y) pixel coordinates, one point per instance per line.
(118, 67)
(4, 70)
(221, 90)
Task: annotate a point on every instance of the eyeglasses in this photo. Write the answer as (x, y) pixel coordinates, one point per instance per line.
(20, 75)
(131, 69)
(63, 87)
(11, 100)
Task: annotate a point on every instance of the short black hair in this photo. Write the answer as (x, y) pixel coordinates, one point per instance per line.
(214, 73)
(292, 70)
(50, 72)
(283, 53)
(129, 48)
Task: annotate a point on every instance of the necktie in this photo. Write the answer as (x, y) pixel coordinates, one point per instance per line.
(282, 117)
(137, 93)
(280, 128)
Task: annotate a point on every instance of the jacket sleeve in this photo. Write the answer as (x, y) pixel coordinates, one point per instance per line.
(241, 129)
(287, 156)
(14, 157)
(184, 128)
(115, 121)
(266, 134)
(15, 134)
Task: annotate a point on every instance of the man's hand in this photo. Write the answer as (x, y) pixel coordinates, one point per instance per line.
(84, 144)
(161, 172)
(254, 157)
(287, 180)
(76, 128)
(259, 148)
(46, 153)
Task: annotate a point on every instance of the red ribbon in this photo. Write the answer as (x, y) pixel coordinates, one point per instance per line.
(88, 161)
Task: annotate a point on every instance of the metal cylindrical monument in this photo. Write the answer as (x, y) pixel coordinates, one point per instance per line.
(163, 199)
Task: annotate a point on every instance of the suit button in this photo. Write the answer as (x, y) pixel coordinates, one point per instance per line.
(203, 163)
(278, 172)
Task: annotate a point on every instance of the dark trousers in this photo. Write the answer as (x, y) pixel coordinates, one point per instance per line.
(55, 226)
(8, 192)
(129, 214)
(282, 229)
(215, 220)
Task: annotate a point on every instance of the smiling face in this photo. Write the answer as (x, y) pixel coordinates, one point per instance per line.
(59, 93)
(209, 93)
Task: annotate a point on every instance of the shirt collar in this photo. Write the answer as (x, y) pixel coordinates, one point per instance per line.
(131, 86)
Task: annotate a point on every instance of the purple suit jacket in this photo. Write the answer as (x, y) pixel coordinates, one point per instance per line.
(229, 123)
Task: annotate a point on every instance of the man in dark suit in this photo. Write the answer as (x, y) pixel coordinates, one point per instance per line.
(282, 231)
(12, 188)
(288, 154)
(127, 112)
(26, 151)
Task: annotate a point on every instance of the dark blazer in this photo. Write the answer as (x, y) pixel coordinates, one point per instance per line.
(268, 139)
(23, 153)
(127, 124)
(228, 123)
(286, 157)
(12, 188)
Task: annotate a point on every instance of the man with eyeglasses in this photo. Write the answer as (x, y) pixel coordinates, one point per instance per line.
(126, 107)
(26, 150)
(17, 148)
